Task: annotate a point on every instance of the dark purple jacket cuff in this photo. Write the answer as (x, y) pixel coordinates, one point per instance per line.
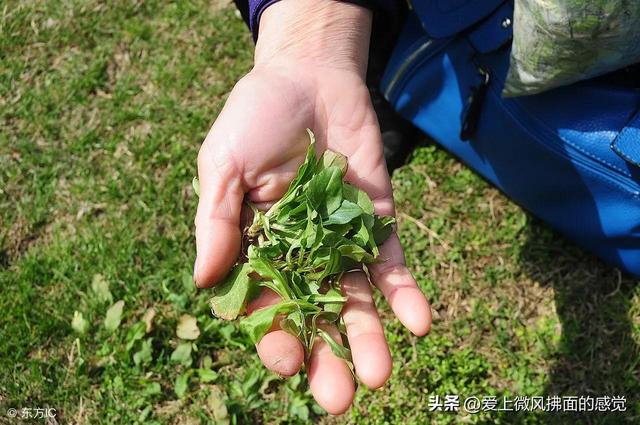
(256, 7)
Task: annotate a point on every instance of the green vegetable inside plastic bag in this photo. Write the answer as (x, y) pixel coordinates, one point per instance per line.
(559, 42)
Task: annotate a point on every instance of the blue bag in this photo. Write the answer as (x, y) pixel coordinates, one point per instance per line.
(571, 156)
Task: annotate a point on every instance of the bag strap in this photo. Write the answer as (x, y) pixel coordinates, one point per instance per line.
(495, 31)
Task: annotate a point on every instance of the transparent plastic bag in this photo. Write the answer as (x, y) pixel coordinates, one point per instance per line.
(559, 42)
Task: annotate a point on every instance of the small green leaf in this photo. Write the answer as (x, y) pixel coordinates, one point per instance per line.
(308, 167)
(217, 406)
(298, 409)
(264, 267)
(187, 328)
(331, 265)
(333, 308)
(207, 362)
(290, 326)
(345, 214)
(182, 354)
(153, 389)
(305, 172)
(187, 283)
(382, 228)
(135, 333)
(100, 288)
(143, 356)
(207, 375)
(325, 191)
(333, 304)
(334, 159)
(114, 316)
(358, 196)
(259, 322)
(340, 230)
(363, 235)
(356, 253)
(337, 349)
(229, 297)
(196, 186)
(182, 383)
(329, 297)
(79, 323)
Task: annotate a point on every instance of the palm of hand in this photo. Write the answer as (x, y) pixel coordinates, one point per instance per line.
(254, 149)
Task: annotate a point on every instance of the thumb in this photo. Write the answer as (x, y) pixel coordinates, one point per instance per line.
(218, 235)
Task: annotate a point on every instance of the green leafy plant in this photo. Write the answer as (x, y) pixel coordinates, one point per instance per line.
(320, 229)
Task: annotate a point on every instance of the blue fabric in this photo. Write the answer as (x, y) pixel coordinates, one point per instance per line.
(627, 144)
(551, 153)
(495, 32)
(444, 18)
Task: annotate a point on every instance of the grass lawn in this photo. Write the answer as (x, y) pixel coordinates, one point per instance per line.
(103, 106)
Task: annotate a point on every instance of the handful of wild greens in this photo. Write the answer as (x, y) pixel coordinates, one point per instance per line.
(321, 228)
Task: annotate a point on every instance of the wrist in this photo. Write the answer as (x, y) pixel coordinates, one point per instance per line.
(315, 33)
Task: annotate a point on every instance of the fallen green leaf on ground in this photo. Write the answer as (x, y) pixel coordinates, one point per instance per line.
(100, 288)
(187, 328)
(114, 316)
(79, 323)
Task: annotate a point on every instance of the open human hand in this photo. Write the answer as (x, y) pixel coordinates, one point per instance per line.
(254, 149)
